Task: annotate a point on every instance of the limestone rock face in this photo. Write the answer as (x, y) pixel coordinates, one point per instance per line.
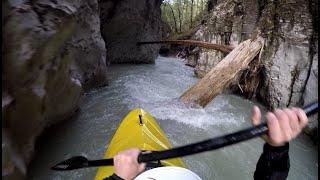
(311, 92)
(289, 58)
(126, 22)
(51, 51)
(88, 47)
(228, 24)
(288, 28)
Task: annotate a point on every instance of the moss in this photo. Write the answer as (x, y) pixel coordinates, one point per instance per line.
(54, 43)
(269, 26)
(21, 81)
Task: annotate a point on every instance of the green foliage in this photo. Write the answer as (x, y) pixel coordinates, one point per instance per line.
(182, 15)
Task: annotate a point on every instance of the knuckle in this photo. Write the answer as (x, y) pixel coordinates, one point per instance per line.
(294, 135)
(128, 160)
(298, 130)
(287, 139)
(287, 110)
(281, 114)
(277, 141)
(277, 111)
(304, 121)
(270, 115)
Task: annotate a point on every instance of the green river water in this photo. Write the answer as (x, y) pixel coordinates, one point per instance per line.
(155, 88)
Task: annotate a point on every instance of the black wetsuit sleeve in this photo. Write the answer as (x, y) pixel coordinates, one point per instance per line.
(274, 163)
(113, 177)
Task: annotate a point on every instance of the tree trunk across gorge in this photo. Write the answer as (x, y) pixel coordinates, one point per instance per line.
(223, 48)
(220, 77)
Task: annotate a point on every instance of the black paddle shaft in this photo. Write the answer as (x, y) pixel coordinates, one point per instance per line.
(217, 142)
(211, 144)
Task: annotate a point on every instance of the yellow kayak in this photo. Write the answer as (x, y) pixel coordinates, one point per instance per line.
(138, 129)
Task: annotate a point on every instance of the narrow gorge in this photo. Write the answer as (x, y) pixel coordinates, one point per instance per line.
(56, 52)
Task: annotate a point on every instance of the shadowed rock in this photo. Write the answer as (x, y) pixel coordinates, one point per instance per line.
(126, 22)
(52, 50)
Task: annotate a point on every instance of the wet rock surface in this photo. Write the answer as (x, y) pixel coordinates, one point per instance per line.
(286, 55)
(228, 23)
(289, 59)
(52, 50)
(126, 22)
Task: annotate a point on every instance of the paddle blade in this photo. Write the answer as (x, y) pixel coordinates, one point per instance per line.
(75, 162)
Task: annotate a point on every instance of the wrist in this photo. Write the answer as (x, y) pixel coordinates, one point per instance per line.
(116, 177)
(270, 147)
(277, 157)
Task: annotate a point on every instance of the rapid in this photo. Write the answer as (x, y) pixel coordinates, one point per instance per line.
(155, 88)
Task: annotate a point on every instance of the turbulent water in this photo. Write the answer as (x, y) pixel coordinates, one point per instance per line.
(155, 88)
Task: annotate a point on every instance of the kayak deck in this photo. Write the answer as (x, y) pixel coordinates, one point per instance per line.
(140, 130)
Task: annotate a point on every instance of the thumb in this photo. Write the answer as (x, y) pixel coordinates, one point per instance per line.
(142, 167)
(256, 120)
(256, 116)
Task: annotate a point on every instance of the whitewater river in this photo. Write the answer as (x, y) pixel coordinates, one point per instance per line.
(154, 89)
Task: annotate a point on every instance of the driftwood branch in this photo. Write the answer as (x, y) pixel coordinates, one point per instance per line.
(223, 48)
(223, 73)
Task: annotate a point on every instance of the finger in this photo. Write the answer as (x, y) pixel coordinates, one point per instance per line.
(118, 155)
(256, 116)
(303, 119)
(142, 167)
(265, 137)
(146, 152)
(115, 159)
(293, 121)
(274, 133)
(135, 152)
(131, 151)
(283, 120)
(256, 119)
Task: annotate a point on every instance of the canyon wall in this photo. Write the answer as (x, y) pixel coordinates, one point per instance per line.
(289, 62)
(126, 22)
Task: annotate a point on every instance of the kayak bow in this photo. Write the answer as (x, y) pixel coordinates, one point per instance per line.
(143, 132)
(140, 130)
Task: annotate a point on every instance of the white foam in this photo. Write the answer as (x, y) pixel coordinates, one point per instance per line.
(157, 94)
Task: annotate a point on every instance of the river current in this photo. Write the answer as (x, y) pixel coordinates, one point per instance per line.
(155, 88)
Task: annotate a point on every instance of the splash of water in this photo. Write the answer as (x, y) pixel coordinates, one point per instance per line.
(155, 88)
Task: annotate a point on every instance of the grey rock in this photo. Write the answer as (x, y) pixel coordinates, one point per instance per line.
(288, 73)
(286, 54)
(287, 58)
(126, 22)
(226, 25)
(87, 46)
(52, 50)
(311, 91)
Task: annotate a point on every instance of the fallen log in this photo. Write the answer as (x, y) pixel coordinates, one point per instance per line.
(223, 48)
(220, 77)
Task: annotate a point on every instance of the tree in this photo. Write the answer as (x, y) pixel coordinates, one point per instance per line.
(165, 5)
(180, 17)
(191, 15)
(202, 8)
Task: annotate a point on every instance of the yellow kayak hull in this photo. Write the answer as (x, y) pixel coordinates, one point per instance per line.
(145, 136)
